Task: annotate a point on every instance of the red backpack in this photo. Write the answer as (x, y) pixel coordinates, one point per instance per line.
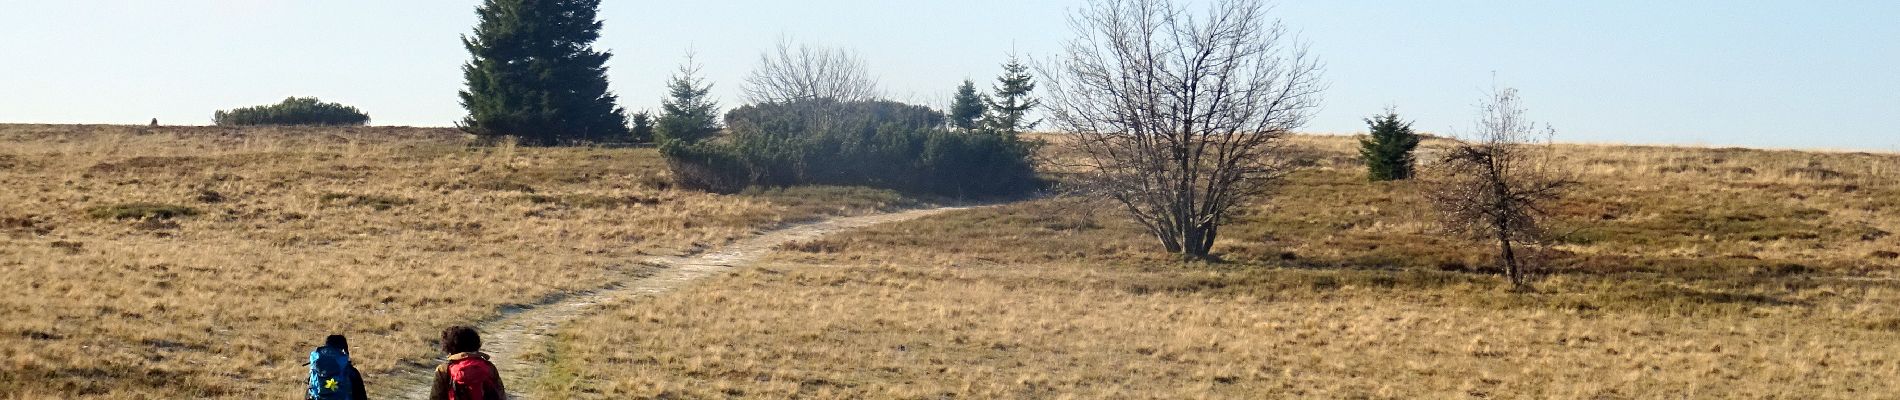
(473, 378)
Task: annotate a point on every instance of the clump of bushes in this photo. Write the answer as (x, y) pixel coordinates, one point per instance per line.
(881, 144)
(293, 111)
(141, 211)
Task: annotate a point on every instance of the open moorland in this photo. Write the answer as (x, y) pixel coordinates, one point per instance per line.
(199, 262)
(1680, 273)
(1138, 202)
(204, 262)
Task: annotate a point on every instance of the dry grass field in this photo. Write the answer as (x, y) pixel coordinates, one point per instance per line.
(206, 262)
(1682, 273)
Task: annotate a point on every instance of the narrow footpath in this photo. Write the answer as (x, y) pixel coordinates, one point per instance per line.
(506, 337)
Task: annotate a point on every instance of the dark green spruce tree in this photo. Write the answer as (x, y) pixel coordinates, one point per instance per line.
(687, 114)
(1388, 150)
(1010, 105)
(967, 110)
(534, 74)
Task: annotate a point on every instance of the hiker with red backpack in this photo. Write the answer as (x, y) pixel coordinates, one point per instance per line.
(467, 375)
(332, 376)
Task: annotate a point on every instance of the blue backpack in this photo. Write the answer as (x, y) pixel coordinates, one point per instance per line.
(329, 374)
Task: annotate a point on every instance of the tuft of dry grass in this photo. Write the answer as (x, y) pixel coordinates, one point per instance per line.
(1684, 273)
(205, 262)
(141, 211)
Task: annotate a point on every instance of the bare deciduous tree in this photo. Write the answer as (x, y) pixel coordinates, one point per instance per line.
(798, 72)
(1179, 117)
(1498, 183)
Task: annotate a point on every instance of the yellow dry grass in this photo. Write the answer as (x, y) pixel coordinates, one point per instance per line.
(385, 234)
(1684, 273)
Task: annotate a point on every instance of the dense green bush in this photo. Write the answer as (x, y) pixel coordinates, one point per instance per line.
(293, 111)
(706, 166)
(1388, 149)
(976, 163)
(870, 143)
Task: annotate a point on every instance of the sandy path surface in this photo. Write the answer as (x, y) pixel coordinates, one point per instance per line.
(508, 337)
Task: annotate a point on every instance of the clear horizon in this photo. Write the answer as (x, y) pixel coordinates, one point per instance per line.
(1778, 74)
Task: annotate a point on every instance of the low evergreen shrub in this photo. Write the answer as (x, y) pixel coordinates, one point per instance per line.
(881, 144)
(293, 111)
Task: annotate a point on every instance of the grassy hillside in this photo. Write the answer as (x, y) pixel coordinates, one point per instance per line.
(206, 262)
(1683, 273)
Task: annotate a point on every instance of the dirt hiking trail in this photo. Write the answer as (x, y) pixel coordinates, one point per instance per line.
(517, 329)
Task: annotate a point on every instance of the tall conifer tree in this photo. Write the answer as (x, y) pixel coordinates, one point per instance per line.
(534, 74)
(1012, 102)
(688, 113)
(968, 108)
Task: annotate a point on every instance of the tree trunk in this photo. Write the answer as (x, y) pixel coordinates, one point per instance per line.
(1207, 239)
(1192, 242)
(1169, 242)
(1510, 261)
(1200, 240)
(1502, 223)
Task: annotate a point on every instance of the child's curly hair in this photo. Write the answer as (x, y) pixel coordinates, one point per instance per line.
(460, 339)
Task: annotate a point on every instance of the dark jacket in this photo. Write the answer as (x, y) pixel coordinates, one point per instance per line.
(467, 376)
(357, 392)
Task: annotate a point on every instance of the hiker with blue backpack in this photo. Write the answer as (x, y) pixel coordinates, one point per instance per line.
(332, 377)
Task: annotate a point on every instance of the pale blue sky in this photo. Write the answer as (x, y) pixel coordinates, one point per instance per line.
(1792, 74)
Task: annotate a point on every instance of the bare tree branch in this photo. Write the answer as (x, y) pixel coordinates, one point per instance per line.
(799, 72)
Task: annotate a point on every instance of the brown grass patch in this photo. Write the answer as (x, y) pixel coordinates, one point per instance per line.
(384, 234)
(1682, 273)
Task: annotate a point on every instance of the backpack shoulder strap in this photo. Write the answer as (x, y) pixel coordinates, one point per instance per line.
(444, 385)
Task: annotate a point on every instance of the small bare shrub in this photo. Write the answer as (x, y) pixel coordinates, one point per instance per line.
(1501, 182)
